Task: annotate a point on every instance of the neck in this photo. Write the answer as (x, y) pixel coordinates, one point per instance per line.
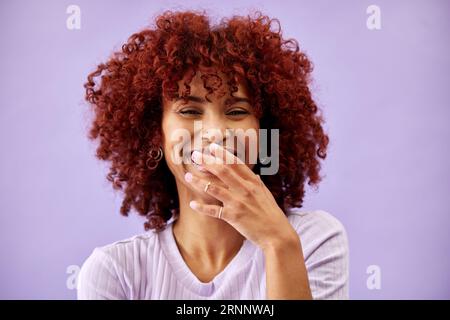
(209, 240)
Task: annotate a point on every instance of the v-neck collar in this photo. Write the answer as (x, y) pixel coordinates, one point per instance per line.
(185, 275)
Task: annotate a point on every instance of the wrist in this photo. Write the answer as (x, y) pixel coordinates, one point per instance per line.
(282, 243)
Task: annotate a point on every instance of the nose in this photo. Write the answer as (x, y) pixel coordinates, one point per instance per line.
(214, 129)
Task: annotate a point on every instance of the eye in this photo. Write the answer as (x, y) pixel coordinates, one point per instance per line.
(237, 112)
(189, 112)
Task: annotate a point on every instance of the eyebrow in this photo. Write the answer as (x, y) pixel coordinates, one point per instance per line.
(202, 100)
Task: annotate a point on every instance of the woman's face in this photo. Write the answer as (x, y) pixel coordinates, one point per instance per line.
(198, 123)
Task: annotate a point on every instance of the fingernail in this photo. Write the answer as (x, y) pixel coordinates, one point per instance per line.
(188, 177)
(193, 204)
(196, 156)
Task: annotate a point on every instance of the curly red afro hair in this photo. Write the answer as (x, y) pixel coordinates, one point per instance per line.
(126, 94)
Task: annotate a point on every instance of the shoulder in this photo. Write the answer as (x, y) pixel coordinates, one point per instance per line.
(123, 254)
(122, 250)
(315, 220)
(316, 228)
(109, 270)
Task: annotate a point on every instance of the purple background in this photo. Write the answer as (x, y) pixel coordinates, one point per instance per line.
(385, 96)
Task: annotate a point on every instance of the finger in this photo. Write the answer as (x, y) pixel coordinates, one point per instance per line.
(216, 166)
(221, 152)
(220, 193)
(232, 160)
(206, 209)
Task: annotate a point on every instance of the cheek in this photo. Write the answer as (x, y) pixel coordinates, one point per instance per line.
(176, 136)
(253, 125)
(166, 133)
(251, 142)
(254, 145)
(168, 127)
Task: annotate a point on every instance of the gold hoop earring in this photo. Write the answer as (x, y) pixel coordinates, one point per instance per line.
(154, 156)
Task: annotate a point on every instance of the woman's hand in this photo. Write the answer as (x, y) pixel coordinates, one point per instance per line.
(248, 205)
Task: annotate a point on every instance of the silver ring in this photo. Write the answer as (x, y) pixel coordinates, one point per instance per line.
(220, 213)
(207, 186)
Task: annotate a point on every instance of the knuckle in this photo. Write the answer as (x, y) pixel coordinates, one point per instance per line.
(214, 189)
(237, 216)
(239, 206)
(235, 211)
(251, 189)
(247, 193)
(257, 180)
(222, 170)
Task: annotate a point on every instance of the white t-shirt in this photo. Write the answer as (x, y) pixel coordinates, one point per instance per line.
(150, 266)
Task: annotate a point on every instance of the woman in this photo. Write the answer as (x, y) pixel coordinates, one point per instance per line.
(216, 229)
